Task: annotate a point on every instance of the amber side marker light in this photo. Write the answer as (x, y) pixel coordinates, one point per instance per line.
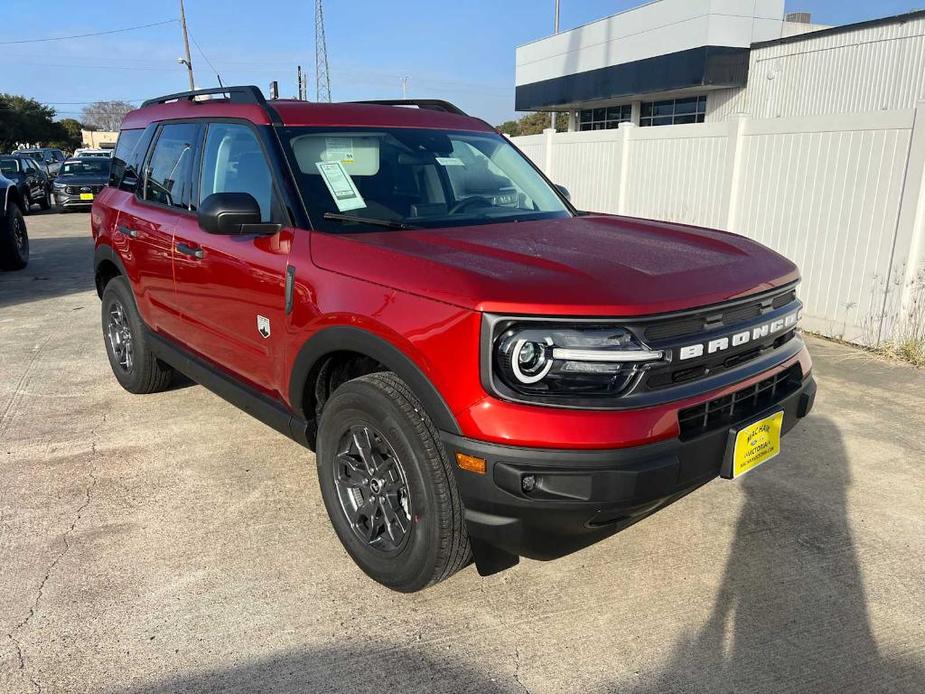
(471, 463)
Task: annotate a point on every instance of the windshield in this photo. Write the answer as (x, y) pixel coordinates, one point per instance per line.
(9, 166)
(409, 178)
(85, 167)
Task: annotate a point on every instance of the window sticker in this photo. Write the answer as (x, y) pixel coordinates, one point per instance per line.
(449, 161)
(341, 186)
(339, 149)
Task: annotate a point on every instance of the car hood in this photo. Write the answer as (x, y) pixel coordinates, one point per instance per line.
(589, 265)
(81, 180)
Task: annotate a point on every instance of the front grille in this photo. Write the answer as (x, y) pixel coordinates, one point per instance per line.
(74, 190)
(731, 409)
(713, 317)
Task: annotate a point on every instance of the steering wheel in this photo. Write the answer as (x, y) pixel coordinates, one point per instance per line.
(466, 203)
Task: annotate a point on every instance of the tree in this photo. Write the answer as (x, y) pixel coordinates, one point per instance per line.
(533, 124)
(25, 120)
(72, 138)
(106, 115)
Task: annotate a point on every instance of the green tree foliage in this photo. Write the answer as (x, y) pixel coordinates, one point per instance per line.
(533, 124)
(26, 120)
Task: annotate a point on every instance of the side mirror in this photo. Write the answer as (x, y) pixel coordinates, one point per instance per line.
(563, 191)
(233, 214)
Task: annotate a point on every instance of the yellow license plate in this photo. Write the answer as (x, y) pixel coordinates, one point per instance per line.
(86, 196)
(756, 444)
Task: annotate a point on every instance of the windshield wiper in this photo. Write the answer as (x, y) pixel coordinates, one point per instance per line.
(388, 223)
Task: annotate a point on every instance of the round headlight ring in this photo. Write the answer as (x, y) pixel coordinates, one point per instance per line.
(543, 364)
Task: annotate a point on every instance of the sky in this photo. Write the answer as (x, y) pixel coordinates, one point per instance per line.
(462, 50)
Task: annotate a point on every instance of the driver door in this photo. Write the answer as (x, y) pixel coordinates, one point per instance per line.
(231, 289)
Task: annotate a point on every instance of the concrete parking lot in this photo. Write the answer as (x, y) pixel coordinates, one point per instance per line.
(170, 543)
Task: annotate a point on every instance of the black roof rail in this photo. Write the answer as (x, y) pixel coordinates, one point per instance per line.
(246, 94)
(428, 104)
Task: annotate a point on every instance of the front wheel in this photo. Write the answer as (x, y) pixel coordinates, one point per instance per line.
(45, 202)
(14, 240)
(388, 486)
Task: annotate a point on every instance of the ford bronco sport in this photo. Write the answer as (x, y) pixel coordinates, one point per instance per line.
(483, 371)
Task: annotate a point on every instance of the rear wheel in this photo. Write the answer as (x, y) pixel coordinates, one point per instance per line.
(14, 240)
(388, 486)
(132, 361)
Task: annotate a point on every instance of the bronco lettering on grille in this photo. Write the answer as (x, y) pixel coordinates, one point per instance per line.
(740, 338)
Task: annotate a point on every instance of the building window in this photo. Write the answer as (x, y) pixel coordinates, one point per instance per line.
(605, 118)
(674, 111)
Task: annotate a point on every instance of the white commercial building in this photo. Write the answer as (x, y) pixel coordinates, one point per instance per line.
(673, 62)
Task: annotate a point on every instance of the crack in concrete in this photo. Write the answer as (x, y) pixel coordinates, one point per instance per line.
(517, 670)
(51, 567)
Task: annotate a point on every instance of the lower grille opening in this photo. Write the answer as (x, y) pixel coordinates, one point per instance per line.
(739, 406)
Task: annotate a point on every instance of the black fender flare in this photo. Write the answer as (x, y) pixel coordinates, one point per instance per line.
(104, 252)
(347, 338)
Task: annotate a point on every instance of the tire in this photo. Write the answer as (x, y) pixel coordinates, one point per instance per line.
(415, 484)
(14, 239)
(133, 364)
(27, 204)
(45, 202)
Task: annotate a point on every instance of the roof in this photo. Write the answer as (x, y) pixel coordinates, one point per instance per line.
(304, 113)
(843, 29)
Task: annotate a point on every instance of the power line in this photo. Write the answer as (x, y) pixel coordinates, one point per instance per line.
(83, 36)
(206, 58)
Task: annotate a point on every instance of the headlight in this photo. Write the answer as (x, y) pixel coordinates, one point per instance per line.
(58, 186)
(562, 360)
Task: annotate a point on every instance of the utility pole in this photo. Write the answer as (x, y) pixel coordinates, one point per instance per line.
(555, 31)
(299, 80)
(188, 61)
(404, 87)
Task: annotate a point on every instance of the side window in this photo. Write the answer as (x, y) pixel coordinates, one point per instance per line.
(233, 162)
(168, 176)
(125, 147)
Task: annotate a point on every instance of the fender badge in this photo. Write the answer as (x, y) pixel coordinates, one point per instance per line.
(263, 326)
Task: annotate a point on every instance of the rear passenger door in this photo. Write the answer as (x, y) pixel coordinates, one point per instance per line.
(148, 218)
(231, 289)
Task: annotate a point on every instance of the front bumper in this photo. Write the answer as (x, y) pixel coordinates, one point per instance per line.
(583, 496)
(69, 201)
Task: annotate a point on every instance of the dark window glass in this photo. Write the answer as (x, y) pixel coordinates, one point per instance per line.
(663, 108)
(605, 118)
(233, 162)
(674, 111)
(9, 166)
(169, 172)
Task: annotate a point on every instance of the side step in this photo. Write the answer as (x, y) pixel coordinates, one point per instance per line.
(271, 412)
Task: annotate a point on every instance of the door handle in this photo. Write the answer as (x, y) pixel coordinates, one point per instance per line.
(125, 231)
(196, 253)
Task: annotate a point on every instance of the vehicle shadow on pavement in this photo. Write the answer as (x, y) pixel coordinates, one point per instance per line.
(58, 266)
(791, 611)
(368, 666)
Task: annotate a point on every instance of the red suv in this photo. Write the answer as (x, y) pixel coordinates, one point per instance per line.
(483, 370)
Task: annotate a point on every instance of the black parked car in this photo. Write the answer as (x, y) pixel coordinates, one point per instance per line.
(14, 241)
(79, 181)
(49, 156)
(33, 183)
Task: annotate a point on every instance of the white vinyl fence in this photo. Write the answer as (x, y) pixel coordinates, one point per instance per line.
(841, 195)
